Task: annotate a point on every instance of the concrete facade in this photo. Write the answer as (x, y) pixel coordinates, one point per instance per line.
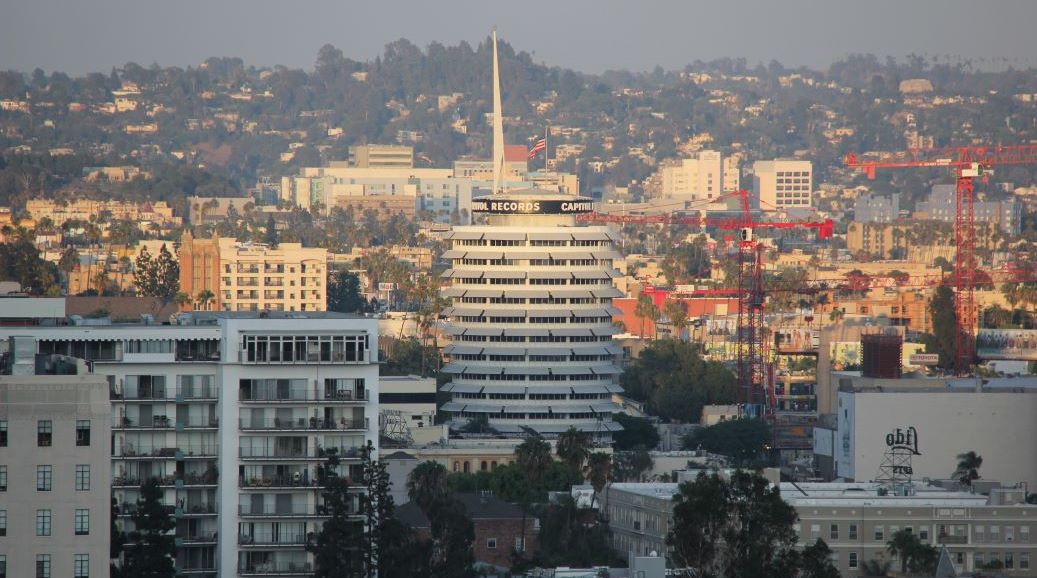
(783, 183)
(55, 480)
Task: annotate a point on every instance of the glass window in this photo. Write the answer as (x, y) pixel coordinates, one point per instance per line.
(833, 531)
(1024, 561)
(852, 532)
(42, 565)
(82, 522)
(82, 477)
(43, 522)
(3, 478)
(44, 433)
(3, 433)
(82, 432)
(3, 522)
(923, 533)
(880, 533)
(44, 478)
(3, 566)
(491, 543)
(81, 566)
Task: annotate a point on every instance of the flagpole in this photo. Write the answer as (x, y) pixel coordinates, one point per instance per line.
(547, 130)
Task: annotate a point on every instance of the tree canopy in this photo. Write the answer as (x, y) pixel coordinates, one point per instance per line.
(744, 440)
(675, 381)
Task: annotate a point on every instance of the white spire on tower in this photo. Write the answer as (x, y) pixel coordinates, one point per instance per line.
(498, 125)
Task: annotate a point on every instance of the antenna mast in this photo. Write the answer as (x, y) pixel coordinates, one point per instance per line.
(498, 125)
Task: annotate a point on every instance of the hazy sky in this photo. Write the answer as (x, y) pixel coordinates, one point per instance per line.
(78, 36)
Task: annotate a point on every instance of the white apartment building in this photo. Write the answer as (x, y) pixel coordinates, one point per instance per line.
(783, 183)
(54, 476)
(257, 277)
(532, 317)
(694, 179)
(234, 414)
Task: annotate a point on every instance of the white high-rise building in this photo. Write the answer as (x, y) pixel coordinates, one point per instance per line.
(694, 179)
(532, 317)
(783, 183)
(233, 414)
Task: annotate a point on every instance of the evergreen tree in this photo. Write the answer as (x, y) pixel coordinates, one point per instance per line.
(337, 546)
(945, 326)
(167, 275)
(270, 236)
(344, 293)
(144, 273)
(427, 485)
(816, 561)
(452, 536)
(152, 547)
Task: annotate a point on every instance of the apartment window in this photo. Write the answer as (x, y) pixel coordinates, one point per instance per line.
(3, 433)
(1024, 533)
(44, 433)
(44, 478)
(3, 522)
(923, 533)
(979, 560)
(491, 543)
(43, 522)
(1009, 560)
(1024, 561)
(81, 566)
(833, 531)
(3, 566)
(880, 533)
(815, 531)
(82, 522)
(82, 432)
(82, 477)
(3, 478)
(852, 532)
(42, 565)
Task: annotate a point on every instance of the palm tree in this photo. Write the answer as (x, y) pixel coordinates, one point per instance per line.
(678, 316)
(573, 447)
(426, 484)
(204, 298)
(875, 568)
(599, 472)
(968, 468)
(902, 545)
(182, 300)
(533, 457)
(643, 310)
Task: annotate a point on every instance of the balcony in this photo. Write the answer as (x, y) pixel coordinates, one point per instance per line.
(247, 282)
(190, 451)
(264, 454)
(195, 510)
(945, 539)
(276, 569)
(293, 540)
(246, 511)
(300, 394)
(302, 424)
(157, 422)
(211, 422)
(197, 540)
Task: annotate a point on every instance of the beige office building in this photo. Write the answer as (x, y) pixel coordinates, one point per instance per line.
(783, 183)
(698, 178)
(857, 520)
(393, 156)
(253, 276)
(55, 480)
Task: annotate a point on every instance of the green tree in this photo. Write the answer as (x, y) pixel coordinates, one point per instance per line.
(628, 466)
(816, 561)
(452, 536)
(573, 447)
(270, 236)
(533, 456)
(743, 440)
(876, 568)
(914, 555)
(676, 382)
(409, 357)
(204, 298)
(733, 528)
(344, 293)
(337, 546)
(945, 326)
(677, 314)
(637, 432)
(599, 471)
(144, 274)
(968, 468)
(427, 484)
(20, 261)
(565, 540)
(151, 546)
(181, 299)
(167, 275)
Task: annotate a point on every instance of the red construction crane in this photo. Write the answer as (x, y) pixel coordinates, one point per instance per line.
(968, 163)
(751, 356)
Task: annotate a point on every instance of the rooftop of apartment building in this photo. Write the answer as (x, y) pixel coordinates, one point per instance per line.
(853, 381)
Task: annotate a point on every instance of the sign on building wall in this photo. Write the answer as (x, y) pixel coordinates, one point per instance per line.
(1018, 344)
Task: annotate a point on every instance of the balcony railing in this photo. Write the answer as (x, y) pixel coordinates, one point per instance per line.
(293, 510)
(302, 394)
(316, 453)
(946, 539)
(290, 540)
(209, 538)
(187, 480)
(268, 568)
(302, 423)
(156, 422)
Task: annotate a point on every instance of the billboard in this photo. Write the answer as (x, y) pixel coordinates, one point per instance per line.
(518, 206)
(1018, 344)
(796, 340)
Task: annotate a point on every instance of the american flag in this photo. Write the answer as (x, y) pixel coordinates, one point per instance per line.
(538, 146)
